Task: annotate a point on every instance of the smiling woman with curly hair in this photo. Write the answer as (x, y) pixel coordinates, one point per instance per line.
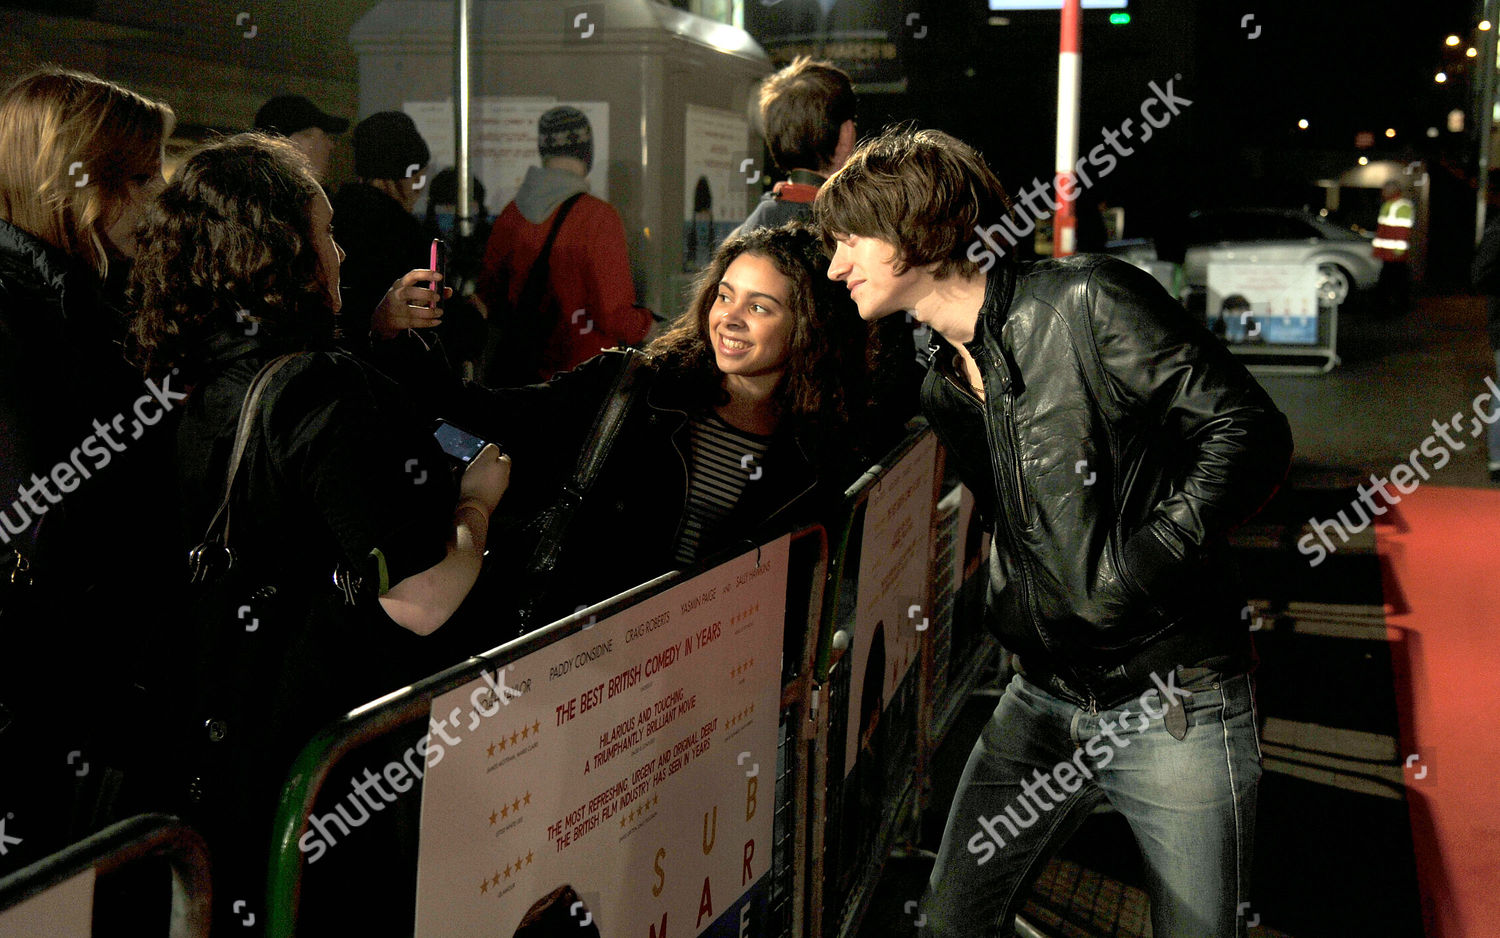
(752, 416)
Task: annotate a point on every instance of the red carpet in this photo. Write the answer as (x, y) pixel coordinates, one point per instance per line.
(1441, 562)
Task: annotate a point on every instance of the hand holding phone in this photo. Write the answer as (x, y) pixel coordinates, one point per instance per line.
(462, 445)
(437, 260)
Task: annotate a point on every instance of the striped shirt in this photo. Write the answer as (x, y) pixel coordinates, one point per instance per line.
(723, 461)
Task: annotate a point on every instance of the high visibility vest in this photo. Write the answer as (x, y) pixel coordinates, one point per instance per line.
(1393, 236)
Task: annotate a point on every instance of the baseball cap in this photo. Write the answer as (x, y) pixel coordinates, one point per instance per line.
(289, 113)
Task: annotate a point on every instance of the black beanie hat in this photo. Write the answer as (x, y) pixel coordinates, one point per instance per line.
(565, 131)
(386, 145)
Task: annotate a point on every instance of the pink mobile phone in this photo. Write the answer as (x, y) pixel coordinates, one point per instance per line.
(437, 260)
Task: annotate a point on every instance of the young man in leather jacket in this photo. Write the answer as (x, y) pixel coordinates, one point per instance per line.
(1112, 443)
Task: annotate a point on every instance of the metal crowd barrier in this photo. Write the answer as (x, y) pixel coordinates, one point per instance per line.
(889, 739)
(400, 711)
(119, 845)
(903, 554)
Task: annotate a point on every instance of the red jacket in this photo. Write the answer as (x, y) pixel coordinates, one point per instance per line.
(589, 274)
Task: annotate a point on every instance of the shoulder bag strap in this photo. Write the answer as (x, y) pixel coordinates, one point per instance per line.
(536, 278)
(248, 410)
(590, 460)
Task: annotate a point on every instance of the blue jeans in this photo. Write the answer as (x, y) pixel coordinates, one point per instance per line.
(1041, 765)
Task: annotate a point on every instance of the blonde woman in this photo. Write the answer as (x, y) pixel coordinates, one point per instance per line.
(80, 158)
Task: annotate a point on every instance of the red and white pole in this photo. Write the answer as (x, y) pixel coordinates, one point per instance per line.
(1069, 78)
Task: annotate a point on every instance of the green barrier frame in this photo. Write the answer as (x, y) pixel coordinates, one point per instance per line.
(130, 841)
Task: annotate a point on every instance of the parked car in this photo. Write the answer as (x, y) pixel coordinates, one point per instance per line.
(1344, 258)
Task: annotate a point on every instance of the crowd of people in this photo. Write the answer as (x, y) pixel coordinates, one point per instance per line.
(288, 539)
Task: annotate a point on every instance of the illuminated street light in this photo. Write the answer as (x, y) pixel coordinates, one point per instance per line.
(1453, 40)
(1302, 123)
(1471, 52)
(1390, 132)
(1364, 161)
(1432, 131)
(1440, 77)
(1484, 26)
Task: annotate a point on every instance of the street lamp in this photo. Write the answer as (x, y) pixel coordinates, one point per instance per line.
(1302, 123)
(1452, 40)
(1440, 77)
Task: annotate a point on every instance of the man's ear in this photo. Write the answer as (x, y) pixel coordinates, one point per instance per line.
(845, 147)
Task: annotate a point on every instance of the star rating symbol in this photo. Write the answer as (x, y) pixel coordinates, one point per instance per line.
(536, 727)
(527, 799)
(528, 857)
(505, 810)
(484, 886)
(493, 816)
(491, 750)
(495, 880)
(622, 820)
(513, 737)
(518, 863)
(516, 805)
(525, 731)
(502, 744)
(742, 668)
(507, 871)
(656, 799)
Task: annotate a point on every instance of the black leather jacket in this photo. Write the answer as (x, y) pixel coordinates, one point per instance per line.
(1116, 445)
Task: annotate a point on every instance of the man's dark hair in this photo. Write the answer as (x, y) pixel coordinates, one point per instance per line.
(802, 108)
(922, 191)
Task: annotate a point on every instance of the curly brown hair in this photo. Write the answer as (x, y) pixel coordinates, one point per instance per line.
(228, 242)
(827, 375)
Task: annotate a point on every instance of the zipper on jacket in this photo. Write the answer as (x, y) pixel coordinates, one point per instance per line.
(1020, 555)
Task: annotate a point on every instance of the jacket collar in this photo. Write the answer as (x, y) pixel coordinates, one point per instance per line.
(29, 259)
(987, 346)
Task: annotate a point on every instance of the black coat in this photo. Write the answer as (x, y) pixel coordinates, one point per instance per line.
(338, 467)
(382, 241)
(1116, 447)
(72, 646)
(626, 531)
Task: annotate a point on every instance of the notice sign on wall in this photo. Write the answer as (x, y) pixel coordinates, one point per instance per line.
(621, 780)
(503, 141)
(1263, 304)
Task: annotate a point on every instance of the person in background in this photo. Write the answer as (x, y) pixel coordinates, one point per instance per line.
(1392, 247)
(753, 412)
(309, 129)
(381, 238)
(807, 118)
(588, 302)
(463, 331)
(1486, 276)
(80, 159)
(341, 485)
(441, 221)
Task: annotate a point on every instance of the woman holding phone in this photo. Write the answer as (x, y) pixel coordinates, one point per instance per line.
(351, 534)
(80, 158)
(754, 410)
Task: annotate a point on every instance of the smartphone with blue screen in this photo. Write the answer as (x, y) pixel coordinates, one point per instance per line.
(458, 443)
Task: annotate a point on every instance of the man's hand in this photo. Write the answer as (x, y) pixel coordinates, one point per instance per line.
(409, 304)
